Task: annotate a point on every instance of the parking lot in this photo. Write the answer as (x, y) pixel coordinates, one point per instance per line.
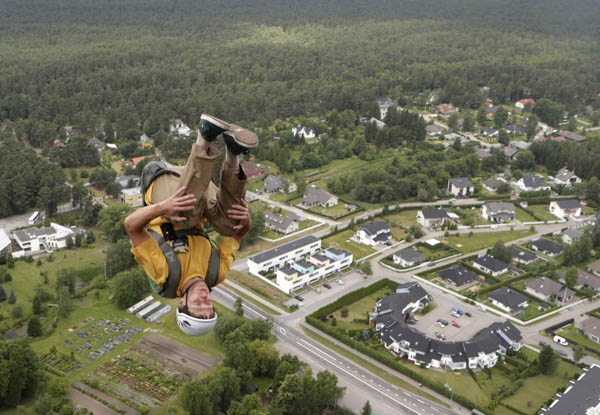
(469, 326)
(311, 296)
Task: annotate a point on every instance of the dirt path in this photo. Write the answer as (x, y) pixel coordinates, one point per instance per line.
(107, 398)
(81, 400)
(191, 360)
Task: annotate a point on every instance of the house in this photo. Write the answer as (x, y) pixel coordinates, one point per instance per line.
(521, 256)
(408, 257)
(379, 124)
(5, 244)
(566, 177)
(71, 132)
(515, 129)
(274, 184)
(584, 280)
(581, 397)
(432, 218)
(492, 185)
(547, 247)
(128, 181)
(520, 145)
(548, 289)
(590, 327)
(135, 160)
(384, 105)
(483, 153)
(303, 132)
(314, 196)
(58, 144)
(146, 141)
(520, 104)
(571, 136)
(499, 212)
(457, 275)
(409, 298)
(446, 109)
(490, 110)
(282, 223)
(283, 254)
(490, 265)
(252, 169)
(571, 235)
(562, 209)
(434, 129)
(96, 143)
(594, 267)
(47, 238)
(460, 186)
(489, 132)
(300, 272)
(532, 183)
(374, 233)
(131, 197)
(508, 299)
(178, 127)
(510, 153)
(111, 146)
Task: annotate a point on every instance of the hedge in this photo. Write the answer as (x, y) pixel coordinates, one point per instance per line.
(513, 409)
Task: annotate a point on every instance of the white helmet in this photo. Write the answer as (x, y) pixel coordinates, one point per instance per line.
(193, 326)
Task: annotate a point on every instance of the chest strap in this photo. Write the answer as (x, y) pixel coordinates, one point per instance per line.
(169, 288)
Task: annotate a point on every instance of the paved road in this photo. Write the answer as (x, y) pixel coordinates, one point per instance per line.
(360, 384)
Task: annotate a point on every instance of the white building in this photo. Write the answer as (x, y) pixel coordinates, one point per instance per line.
(532, 183)
(303, 132)
(48, 238)
(284, 254)
(131, 197)
(306, 271)
(5, 244)
(562, 209)
(460, 186)
(178, 127)
(498, 212)
(566, 177)
(408, 257)
(374, 233)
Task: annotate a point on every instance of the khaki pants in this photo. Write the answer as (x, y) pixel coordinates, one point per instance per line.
(213, 201)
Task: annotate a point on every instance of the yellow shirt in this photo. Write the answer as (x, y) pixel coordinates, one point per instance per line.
(194, 263)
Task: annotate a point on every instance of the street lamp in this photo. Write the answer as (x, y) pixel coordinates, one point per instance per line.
(451, 391)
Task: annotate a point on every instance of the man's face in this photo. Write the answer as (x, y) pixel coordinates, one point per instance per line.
(199, 301)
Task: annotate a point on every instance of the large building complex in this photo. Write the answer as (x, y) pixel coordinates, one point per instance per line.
(278, 257)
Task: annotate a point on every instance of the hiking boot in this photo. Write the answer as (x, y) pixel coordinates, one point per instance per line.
(239, 140)
(211, 127)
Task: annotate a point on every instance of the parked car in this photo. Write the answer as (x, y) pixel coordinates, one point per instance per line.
(440, 335)
(431, 264)
(326, 285)
(340, 282)
(299, 298)
(563, 354)
(445, 322)
(318, 290)
(544, 344)
(411, 321)
(561, 340)
(468, 314)
(441, 323)
(455, 324)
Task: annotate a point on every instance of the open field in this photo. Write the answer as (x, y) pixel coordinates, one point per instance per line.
(541, 211)
(260, 288)
(359, 311)
(524, 216)
(405, 218)
(465, 243)
(342, 241)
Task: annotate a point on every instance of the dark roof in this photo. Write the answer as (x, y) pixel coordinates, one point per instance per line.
(288, 270)
(510, 298)
(568, 204)
(394, 304)
(572, 136)
(581, 395)
(435, 213)
(544, 245)
(279, 222)
(488, 130)
(372, 228)
(283, 249)
(411, 255)
(336, 251)
(491, 263)
(383, 237)
(320, 257)
(458, 274)
(273, 183)
(305, 264)
(315, 195)
(516, 129)
(533, 181)
(461, 182)
(498, 207)
(584, 279)
(493, 183)
(548, 287)
(523, 254)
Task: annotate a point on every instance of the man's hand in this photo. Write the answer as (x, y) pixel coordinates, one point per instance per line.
(177, 203)
(241, 214)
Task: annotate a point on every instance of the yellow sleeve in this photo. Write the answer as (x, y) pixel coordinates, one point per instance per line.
(149, 255)
(227, 249)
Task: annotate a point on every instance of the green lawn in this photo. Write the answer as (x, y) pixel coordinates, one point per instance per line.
(406, 218)
(435, 253)
(588, 210)
(538, 389)
(542, 212)
(260, 288)
(524, 216)
(334, 211)
(359, 310)
(570, 332)
(342, 241)
(482, 240)
(470, 217)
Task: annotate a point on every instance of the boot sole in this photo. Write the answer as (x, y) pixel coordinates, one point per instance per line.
(246, 145)
(214, 120)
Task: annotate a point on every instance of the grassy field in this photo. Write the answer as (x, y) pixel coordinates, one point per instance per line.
(256, 303)
(406, 218)
(538, 389)
(541, 211)
(260, 288)
(433, 254)
(524, 216)
(333, 167)
(570, 332)
(359, 310)
(588, 210)
(471, 217)
(342, 241)
(465, 243)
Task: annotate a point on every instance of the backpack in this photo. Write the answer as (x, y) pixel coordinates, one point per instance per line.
(171, 237)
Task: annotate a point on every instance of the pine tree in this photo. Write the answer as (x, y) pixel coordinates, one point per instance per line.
(34, 327)
(2, 294)
(366, 409)
(12, 298)
(36, 305)
(238, 307)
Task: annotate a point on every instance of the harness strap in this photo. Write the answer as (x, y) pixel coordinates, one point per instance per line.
(169, 289)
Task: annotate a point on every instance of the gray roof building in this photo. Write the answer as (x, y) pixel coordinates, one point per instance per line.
(274, 183)
(283, 249)
(547, 287)
(568, 204)
(572, 136)
(493, 184)
(280, 223)
(584, 279)
(495, 208)
(533, 181)
(580, 396)
(491, 263)
(591, 326)
(547, 246)
(314, 195)
(435, 213)
(373, 228)
(460, 182)
(410, 255)
(510, 298)
(523, 255)
(458, 274)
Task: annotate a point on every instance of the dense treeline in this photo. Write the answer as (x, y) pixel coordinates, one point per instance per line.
(137, 64)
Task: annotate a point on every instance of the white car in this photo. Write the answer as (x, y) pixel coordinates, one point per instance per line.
(560, 340)
(340, 282)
